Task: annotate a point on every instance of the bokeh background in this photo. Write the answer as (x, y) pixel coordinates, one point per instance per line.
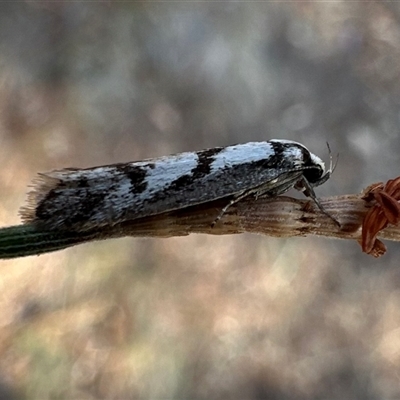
(200, 317)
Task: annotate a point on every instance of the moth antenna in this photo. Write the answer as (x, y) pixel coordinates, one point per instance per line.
(332, 166)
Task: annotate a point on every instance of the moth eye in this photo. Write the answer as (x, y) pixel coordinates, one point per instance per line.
(313, 174)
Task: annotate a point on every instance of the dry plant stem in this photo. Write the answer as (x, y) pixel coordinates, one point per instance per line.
(279, 217)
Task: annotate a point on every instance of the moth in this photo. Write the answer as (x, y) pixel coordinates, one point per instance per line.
(84, 199)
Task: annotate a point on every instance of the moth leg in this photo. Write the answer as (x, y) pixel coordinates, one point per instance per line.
(237, 198)
(309, 192)
(260, 191)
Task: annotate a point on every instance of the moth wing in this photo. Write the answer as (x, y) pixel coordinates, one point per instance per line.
(83, 199)
(228, 182)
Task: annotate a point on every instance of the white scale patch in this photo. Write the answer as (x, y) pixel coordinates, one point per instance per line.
(167, 170)
(242, 154)
(160, 173)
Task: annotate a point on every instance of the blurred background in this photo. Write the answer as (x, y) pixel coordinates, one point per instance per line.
(200, 317)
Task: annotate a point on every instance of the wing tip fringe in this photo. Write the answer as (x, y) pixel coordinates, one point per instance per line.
(40, 186)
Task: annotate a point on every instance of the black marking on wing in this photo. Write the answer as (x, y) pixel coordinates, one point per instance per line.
(187, 182)
(280, 161)
(203, 168)
(276, 160)
(83, 210)
(41, 211)
(136, 175)
(86, 209)
(83, 182)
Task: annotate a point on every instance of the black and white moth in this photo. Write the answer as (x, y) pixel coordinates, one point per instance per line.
(83, 199)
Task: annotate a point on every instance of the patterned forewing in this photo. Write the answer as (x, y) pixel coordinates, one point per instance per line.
(82, 199)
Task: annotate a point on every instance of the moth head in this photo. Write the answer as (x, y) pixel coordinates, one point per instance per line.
(315, 169)
(312, 167)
